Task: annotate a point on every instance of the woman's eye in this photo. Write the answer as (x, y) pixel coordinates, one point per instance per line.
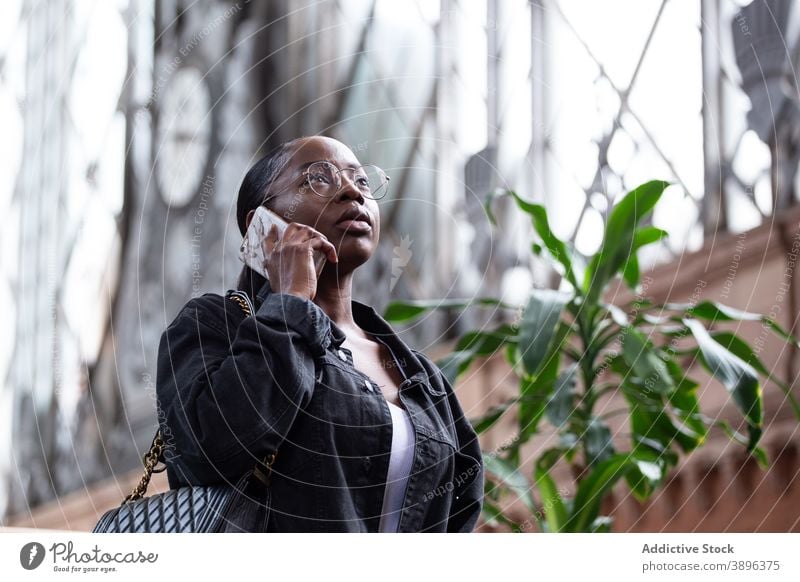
(319, 178)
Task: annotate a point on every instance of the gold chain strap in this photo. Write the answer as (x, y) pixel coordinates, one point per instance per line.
(150, 461)
(156, 451)
(242, 303)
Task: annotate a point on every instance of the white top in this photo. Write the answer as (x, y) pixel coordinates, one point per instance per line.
(400, 460)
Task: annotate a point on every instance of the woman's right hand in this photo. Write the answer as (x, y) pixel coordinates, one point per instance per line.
(289, 259)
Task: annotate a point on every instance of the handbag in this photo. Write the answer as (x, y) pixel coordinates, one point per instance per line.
(244, 506)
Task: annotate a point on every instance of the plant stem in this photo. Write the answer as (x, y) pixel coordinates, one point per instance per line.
(588, 375)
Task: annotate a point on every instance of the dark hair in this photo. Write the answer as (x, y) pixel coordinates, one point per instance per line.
(252, 194)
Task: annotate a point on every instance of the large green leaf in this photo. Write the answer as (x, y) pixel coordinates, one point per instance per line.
(486, 343)
(538, 327)
(511, 353)
(630, 270)
(598, 441)
(736, 345)
(684, 404)
(605, 333)
(739, 377)
(455, 363)
(713, 311)
(634, 206)
(535, 393)
(652, 426)
(474, 344)
(485, 422)
(403, 311)
(562, 402)
(647, 473)
(642, 237)
(641, 357)
(617, 314)
(555, 246)
(686, 408)
(619, 238)
(593, 489)
(554, 509)
(648, 235)
(511, 477)
(493, 515)
(759, 453)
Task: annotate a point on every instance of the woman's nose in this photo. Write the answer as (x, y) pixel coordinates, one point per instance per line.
(349, 188)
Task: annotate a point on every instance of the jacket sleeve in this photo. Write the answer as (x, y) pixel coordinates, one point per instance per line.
(229, 388)
(468, 480)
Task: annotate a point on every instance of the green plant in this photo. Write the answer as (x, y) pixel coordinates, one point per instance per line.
(569, 348)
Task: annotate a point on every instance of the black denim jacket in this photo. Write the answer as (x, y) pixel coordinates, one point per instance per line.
(232, 389)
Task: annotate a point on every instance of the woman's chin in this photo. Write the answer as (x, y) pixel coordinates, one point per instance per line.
(353, 253)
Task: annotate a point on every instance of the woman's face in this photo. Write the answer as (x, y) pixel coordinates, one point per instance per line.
(355, 242)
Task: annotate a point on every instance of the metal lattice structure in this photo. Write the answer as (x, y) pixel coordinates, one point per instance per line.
(63, 198)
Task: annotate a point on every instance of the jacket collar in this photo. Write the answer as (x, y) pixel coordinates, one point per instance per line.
(371, 322)
(331, 336)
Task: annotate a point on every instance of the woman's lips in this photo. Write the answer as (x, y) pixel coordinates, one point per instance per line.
(354, 226)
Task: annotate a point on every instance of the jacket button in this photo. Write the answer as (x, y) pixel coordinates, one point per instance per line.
(368, 386)
(342, 355)
(367, 462)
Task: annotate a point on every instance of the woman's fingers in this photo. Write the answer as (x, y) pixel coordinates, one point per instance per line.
(269, 241)
(301, 232)
(298, 235)
(289, 258)
(326, 247)
(304, 233)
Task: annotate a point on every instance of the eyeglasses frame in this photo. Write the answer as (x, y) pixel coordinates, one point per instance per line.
(384, 186)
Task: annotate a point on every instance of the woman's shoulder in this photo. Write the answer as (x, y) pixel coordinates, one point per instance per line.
(210, 309)
(426, 360)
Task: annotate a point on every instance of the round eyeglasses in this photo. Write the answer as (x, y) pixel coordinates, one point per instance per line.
(325, 180)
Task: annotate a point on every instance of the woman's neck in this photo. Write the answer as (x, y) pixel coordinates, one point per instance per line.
(334, 296)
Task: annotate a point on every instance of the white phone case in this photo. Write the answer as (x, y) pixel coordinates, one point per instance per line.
(252, 252)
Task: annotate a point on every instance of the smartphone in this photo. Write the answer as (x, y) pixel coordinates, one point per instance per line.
(251, 252)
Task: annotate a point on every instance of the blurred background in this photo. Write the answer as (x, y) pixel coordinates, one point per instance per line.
(129, 124)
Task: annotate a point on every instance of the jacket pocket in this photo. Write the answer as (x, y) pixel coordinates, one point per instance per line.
(437, 434)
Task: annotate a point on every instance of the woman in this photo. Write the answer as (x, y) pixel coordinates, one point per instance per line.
(367, 433)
